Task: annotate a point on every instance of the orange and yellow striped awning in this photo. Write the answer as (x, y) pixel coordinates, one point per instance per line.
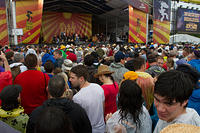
(161, 32)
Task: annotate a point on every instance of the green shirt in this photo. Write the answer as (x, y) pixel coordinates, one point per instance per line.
(15, 118)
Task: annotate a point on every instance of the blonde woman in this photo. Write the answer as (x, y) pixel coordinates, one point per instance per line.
(68, 93)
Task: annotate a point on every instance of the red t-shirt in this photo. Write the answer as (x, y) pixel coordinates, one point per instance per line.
(110, 93)
(34, 91)
(110, 53)
(5, 80)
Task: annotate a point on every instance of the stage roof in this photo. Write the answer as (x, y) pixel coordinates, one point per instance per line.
(95, 7)
(100, 8)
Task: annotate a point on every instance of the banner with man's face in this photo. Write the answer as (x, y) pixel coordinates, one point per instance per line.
(161, 21)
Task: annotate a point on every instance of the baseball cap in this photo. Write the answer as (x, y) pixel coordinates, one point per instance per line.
(119, 55)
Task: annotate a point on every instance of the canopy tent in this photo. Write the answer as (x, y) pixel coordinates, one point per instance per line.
(184, 38)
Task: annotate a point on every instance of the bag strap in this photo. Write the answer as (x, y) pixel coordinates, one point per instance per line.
(45, 85)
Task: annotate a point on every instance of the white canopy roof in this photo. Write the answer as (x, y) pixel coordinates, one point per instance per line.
(184, 38)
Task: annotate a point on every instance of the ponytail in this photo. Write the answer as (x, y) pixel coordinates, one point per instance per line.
(113, 81)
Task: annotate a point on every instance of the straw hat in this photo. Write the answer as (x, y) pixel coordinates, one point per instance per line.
(102, 69)
(181, 128)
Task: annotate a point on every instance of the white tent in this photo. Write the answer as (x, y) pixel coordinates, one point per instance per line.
(184, 38)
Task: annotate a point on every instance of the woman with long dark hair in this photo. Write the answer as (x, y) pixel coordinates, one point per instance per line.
(110, 88)
(132, 116)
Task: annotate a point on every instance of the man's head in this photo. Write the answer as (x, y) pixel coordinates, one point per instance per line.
(56, 86)
(171, 93)
(186, 51)
(89, 60)
(143, 51)
(49, 67)
(57, 54)
(18, 57)
(151, 58)
(160, 61)
(78, 76)
(196, 53)
(31, 61)
(10, 97)
(10, 55)
(53, 120)
(120, 57)
(139, 64)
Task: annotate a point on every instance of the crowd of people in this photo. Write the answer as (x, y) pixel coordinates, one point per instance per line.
(104, 88)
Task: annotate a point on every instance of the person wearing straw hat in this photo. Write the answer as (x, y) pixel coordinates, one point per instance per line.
(181, 128)
(110, 88)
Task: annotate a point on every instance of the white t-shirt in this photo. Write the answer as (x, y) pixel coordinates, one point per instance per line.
(91, 98)
(190, 117)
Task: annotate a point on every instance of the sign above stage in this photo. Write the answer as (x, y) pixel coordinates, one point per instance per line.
(138, 4)
(188, 21)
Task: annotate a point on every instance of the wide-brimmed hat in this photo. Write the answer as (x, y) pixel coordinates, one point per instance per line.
(102, 69)
(119, 55)
(181, 128)
(67, 65)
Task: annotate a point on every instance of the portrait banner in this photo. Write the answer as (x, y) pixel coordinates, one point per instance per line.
(161, 21)
(29, 18)
(137, 26)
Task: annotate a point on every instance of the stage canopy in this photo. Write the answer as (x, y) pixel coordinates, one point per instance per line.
(100, 8)
(184, 38)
